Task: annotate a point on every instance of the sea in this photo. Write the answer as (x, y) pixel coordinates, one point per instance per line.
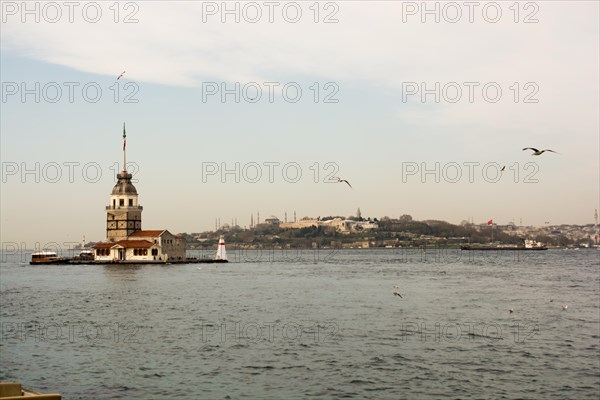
(428, 323)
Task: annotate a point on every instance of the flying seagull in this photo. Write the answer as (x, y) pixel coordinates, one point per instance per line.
(398, 294)
(565, 307)
(503, 168)
(537, 152)
(511, 311)
(119, 77)
(343, 180)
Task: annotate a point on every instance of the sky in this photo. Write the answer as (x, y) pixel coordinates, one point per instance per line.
(238, 108)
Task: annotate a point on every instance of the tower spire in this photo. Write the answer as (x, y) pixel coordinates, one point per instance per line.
(124, 214)
(124, 151)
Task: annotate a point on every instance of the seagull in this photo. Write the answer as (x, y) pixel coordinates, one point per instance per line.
(199, 268)
(511, 311)
(343, 180)
(119, 77)
(398, 294)
(565, 307)
(502, 170)
(537, 152)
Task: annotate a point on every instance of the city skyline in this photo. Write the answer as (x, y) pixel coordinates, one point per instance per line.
(392, 104)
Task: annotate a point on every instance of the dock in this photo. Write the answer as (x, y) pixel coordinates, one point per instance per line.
(14, 391)
(73, 261)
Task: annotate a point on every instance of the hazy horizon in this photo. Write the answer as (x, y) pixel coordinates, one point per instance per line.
(386, 93)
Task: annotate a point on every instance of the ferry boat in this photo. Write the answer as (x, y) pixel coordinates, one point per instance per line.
(47, 257)
(528, 245)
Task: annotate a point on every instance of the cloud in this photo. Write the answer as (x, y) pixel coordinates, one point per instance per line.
(172, 45)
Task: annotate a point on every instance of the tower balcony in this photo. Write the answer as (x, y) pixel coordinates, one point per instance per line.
(124, 208)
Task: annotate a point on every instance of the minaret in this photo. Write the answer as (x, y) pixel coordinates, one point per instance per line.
(124, 214)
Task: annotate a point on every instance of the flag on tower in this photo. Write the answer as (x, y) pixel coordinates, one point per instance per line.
(490, 222)
(124, 137)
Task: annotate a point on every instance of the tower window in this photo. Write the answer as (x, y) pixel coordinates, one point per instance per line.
(130, 202)
(114, 203)
(121, 202)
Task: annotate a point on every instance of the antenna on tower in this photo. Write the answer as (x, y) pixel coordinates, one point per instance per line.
(124, 147)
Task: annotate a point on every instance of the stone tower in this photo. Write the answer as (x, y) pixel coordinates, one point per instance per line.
(123, 214)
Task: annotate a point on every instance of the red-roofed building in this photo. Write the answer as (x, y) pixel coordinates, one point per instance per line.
(147, 233)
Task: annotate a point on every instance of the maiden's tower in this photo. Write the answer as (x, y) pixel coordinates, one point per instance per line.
(125, 239)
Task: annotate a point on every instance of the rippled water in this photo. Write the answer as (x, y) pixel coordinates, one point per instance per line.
(323, 325)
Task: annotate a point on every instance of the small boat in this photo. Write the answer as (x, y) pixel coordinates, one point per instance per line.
(534, 245)
(85, 255)
(47, 257)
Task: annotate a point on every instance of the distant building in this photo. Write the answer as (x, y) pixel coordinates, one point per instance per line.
(272, 220)
(348, 226)
(126, 241)
(303, 223)
(341, 225)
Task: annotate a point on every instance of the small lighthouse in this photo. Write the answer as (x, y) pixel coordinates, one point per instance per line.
(221, 253)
